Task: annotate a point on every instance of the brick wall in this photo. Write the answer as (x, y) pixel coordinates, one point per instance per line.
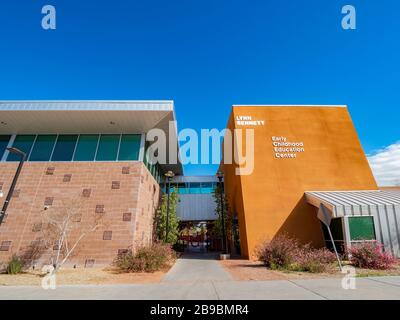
(125, 191)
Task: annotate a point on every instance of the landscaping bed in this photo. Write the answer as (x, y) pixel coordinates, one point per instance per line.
(148, 265)
(246, 270)
(284, 258)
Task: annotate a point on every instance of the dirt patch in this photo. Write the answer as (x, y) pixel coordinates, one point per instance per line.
(92, 276)
(244, 270)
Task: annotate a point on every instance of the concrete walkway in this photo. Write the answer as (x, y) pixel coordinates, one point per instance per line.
(202, 277)
(386, 288)
(197, 267)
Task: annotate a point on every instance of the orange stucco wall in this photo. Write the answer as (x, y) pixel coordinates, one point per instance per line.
(270, 200)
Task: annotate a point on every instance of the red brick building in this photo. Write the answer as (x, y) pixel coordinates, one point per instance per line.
(86, 152)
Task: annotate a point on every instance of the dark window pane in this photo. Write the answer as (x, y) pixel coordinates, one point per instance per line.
(182, 188)
(207, 187)
(336, 230)
(108, 147)
(64, 148)
(362, 228)
(23, 143)
(43, 147)
(3, 144)
(130, 147)
(86, 148)
(194, 187)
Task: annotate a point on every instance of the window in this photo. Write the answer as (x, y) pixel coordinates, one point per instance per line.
(86, 147)
(108, 147)
(3, 144)
(77, 147)
(64, 148)
(194, 187)
(362, 228)
(23, 143)
(130, 147)
(43, 147)
(207, 187)
(182, 188)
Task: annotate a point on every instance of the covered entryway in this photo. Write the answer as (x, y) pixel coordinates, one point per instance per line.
(363, 215)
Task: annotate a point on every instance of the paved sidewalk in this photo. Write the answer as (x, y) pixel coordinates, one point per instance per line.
(197, 267)
(386, 288)
(202, 277)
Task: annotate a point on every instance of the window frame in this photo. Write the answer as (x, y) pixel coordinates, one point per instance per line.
(4, 156)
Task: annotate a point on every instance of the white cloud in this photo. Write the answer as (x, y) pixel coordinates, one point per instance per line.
(385, 165)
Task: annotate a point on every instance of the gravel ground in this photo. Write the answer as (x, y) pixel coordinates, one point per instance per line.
(93, 276)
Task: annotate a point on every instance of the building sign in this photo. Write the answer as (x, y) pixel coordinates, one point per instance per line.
(248, 121)
(285, 149)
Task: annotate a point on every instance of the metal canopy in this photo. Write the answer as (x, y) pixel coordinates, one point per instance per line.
(354, 203)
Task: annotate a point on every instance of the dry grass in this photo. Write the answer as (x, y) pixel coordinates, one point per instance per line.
(92, 276)
(244, 270)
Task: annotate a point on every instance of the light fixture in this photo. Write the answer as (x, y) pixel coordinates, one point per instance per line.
(17, 151)
(169, 174)
(1, 194)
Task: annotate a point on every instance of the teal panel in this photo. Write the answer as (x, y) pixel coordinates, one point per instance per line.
(64, 148)
(43, 147)
(22, 142)
(108, 147)
(4, 139)
(130, 147)
(86, 147)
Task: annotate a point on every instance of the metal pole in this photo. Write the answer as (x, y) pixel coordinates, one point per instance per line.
(222, 217)
(11, 191)
(334, 248)
(167, 222)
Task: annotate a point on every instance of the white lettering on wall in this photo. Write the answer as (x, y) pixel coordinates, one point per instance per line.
(284, 149)
(248, 121)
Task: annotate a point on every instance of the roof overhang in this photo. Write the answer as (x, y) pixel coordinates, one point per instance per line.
(89, 116)
(353, 203)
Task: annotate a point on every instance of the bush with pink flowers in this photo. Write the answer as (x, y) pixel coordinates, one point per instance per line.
(285, 253)
(278, 253)
(370, 255)
(313, 260)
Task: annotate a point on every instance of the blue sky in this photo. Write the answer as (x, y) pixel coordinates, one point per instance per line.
(207, 55)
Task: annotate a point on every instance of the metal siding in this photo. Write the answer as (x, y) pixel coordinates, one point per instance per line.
(396, 213)
(384, 206)
(384, 227)
(197, 207)
(378, 228)
(394, 237)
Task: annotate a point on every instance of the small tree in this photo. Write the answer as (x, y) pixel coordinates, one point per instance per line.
(63, 230)
(173, 221)
(227, 217)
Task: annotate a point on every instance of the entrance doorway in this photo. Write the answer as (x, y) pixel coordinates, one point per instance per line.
(198, 237)
(337, 228)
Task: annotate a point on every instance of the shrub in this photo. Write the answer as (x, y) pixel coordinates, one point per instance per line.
(14, 266)
(370, 255)
(278, 253)
(313, 260)
(146, 259)
(284, 252)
